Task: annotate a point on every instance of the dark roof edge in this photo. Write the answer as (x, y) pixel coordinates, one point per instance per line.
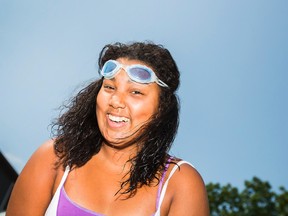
(7, 167)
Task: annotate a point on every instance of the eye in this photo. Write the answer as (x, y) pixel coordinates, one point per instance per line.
(136, 92)
(108, 87)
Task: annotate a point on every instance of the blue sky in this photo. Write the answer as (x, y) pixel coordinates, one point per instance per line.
(233, 58)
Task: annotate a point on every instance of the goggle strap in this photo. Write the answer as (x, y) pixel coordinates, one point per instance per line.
(161, 83)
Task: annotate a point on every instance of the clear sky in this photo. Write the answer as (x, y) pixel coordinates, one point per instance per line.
(233, 58)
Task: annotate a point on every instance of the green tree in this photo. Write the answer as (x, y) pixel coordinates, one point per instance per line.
(256, 199)
(282, 202)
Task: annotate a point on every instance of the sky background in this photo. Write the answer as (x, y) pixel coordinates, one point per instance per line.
(233, 58)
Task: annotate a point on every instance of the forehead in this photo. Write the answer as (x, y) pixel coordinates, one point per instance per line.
(126, 61)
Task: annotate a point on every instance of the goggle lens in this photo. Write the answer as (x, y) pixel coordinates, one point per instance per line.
(140, 74)
(108, 69)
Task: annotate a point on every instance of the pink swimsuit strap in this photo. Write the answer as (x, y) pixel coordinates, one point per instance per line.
(161, 183)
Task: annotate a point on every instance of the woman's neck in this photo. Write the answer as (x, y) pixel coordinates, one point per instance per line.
(118, 159)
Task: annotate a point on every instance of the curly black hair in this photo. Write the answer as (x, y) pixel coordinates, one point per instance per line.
(77, 134)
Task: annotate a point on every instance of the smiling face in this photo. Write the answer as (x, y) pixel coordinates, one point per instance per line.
(123, 106)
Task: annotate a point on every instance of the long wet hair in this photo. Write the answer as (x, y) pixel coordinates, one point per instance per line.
(77, 134)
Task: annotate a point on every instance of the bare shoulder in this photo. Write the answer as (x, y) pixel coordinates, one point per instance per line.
(42, 161)
(188, 192)
(187, 173)
(34, 187)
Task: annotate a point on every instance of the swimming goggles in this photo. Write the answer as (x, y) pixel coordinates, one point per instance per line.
(137, 73)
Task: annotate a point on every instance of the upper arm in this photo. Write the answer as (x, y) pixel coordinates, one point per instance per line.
(32, 191)
(189, 193)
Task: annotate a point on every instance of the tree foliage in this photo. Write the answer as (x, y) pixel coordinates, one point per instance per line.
(256, 199)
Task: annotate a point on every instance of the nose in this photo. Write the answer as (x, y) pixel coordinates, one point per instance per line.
(117, 101)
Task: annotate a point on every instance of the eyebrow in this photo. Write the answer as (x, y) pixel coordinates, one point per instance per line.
(129, 81)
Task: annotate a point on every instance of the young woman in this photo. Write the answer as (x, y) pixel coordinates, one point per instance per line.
(110, 151)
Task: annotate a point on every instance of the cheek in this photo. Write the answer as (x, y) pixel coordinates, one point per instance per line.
(154, 104)
(100, 103)
(146, 110)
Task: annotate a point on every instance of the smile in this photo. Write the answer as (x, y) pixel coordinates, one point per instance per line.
(117, 119)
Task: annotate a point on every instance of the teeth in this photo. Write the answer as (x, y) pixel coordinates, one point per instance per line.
(117, 118)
